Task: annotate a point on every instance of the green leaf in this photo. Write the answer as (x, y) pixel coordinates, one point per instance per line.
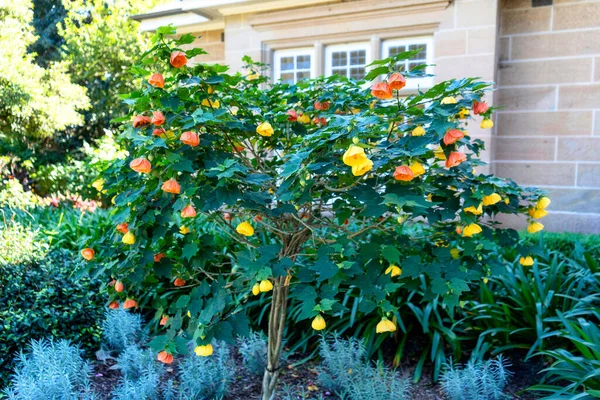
(391, 254)
(189, 250)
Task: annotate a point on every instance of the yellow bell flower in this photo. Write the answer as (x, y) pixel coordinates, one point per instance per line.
(256, 289)
(471, 229)
(475, 211)
(355, 155)
(355, 140)
(491, 199)
(439, 153)
(129, 238)
(429, 197)
(418, 131)
(455, 253)
(463, 113)
(537, 213)
(485, 280)
(252, 75)
(98, 184)
(526, 261)
(189, 314)
(318, 323)
(507, 201)
(487, 123)
(211, 103)
(535, 227)
(168, 135)
(542, 203)
(362, 168)
(303, 119)
(245, 229)
(204, 351)
(393, 270)
(265, 129)
(417, 168)
(385, 325)
(184, 230)
(265, 286)
(401, 219)
(449, 100)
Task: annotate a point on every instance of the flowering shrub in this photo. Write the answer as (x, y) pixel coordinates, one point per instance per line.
(313, 188)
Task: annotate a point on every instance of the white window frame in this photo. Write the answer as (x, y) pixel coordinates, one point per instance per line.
(423, 83)
(279, 54)
(330, 49)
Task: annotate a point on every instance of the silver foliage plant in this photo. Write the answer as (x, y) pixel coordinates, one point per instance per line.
(346, 370)
(51, 370)
(207, 378)
(477, 380)
(121, 329)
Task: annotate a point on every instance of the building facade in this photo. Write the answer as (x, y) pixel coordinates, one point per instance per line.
(544, 56)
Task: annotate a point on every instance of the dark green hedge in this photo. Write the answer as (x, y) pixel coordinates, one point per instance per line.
(45, 299)
(563, 242)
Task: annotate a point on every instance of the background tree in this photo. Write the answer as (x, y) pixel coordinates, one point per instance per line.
(101, 42)
(319, 188)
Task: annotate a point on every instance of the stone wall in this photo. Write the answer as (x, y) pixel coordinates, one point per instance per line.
(548, 132)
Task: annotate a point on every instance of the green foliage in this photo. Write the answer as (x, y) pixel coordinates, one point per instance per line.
(76, 173)
(346, 371)
(520, 308)
(121, 329)
(18, 245)
(51, 370)
(205, 378)
(100, 44)
(574, 372)
(35, 102)
(297, 183)
(478, 380)
(47, 14)
(43, 298)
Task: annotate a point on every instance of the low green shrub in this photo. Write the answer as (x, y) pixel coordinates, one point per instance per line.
(51, 370)
(135, 362)
(44, 298)
(254, 352)
(478, 380)
(19, 244)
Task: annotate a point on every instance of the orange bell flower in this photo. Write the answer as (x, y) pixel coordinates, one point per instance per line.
(452, 136)
(113, 305)
(396, 81)
(157, 80)
(165, 357)
(171, 186)
(190, 138)
(88, 254)
(158, 118)
(179, 282)
(123, 227)
(140, 165)
(188, 212)
(178, 59)
(129, 303)
(403, 173)
(382, 90)
(141, 120)
(455, 159)
(119, 287)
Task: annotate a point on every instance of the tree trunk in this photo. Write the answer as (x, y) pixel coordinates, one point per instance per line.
(277, 318)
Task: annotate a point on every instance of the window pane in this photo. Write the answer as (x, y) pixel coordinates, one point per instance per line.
(303, 62)
(288, 77)
(302, 75)
(340, 72)
(357, 73)
(339, 58)
(287, 63)
(358, 57)
(413, 64)
(395, 50)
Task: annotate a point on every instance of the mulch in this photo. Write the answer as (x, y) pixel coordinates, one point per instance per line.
(302, 379)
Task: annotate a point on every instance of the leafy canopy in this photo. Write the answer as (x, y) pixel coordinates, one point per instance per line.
(313, 220)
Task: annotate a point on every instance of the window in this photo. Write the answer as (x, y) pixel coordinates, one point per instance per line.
(425, 56)
(349, 60)
(293, 65)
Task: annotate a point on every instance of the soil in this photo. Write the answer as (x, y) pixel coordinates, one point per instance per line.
(302, 379)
